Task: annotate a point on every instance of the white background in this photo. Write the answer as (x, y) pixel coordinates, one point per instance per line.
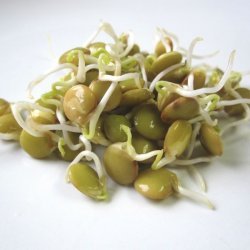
(38, 210)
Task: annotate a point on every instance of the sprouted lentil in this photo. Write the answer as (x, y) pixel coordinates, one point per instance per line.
(117, 96)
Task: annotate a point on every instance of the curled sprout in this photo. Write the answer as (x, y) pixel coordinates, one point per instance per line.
(98, 167)
(190, 50)
(104, 60)
(130, 44)
(90, 132)
(128, 147)
(92, 156)
(206, 117)
(105, 27)
(18, 112)
(210, 102)
(162, 74)
(24, 120)
(49, 98)
(173, 37)
(206, 90)
(162, 38)
(39, 79)
(66, 138)
(163, 162)
(176, 45)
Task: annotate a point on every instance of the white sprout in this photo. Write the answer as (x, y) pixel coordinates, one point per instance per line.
(87, 145)
(195, 133)
(232, 102)
(130, 44)
(192, 161)
(91, 66)
(97, 112)
(191, 169)
(199, 57)
(17, 111)
(201, 118)
(95, 66)
(198, 177)
(40, 78)
(208, 90)
(48, 127)
(51, 101)
(83, 141)
(164, 161)
(105, 27)
(90, 59)
(81, 72)
(128, 147)
(66, 137)
(209, 102)
(140, 59)
(205, 115)
(109, 67)
(190, 50)
(162, 74)
(191, 81)
(173, 38)
(185, 192)
(195, 196)
(120, 78)
(143, 157)
(113, 50)
(91, 156)
(53, 136)
(70, 81)
(162, 38)
(100, 107)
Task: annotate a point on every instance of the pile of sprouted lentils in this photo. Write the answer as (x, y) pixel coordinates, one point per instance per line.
(152, 112)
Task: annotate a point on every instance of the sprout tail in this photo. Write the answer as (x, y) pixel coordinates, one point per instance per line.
(198, 177)
(201, 198)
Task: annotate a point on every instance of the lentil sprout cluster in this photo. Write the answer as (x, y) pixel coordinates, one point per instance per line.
(152, 113)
